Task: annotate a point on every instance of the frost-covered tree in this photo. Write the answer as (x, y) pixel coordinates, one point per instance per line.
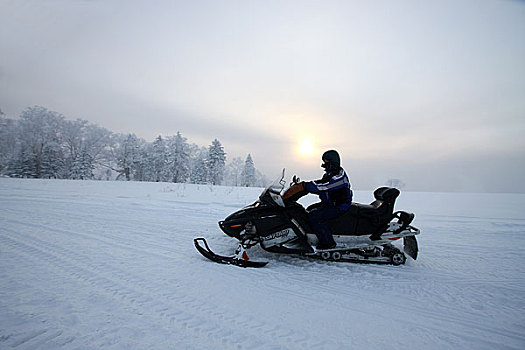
(199, 168)
(86, 146)
(82, 167)
(248, 173)
(158, 160)
(42, 143)
(97, 140)
(140, 165)
(7, 140)
(38, 135)
(53, 161)
(128, 157)
(178, 158)
(216, 162)
(261, 180)
(22, 164)
(233, 171)
(397, 183)
(72, 136)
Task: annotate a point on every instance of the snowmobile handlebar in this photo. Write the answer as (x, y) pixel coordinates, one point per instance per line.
(294, 192)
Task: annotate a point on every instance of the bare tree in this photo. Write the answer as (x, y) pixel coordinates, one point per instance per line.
(397, 183)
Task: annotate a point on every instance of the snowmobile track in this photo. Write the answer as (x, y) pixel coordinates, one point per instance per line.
(93, 264)
(132, 293)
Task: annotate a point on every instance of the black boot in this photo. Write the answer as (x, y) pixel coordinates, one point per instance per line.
(322, 246)
(375, 237)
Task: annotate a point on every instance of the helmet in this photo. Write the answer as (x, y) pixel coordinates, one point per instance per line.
(331, 160)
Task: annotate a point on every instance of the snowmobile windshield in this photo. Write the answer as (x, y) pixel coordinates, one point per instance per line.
(272, 193)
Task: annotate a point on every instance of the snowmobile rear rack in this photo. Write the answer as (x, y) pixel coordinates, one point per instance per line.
(239, 259)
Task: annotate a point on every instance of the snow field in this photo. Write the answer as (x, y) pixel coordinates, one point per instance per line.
(91, 265)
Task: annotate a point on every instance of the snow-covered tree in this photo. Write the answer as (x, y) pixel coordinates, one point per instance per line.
(128, 157)
(7, 140)
(42, 143)
(158, 160)
(178, 158)
(38, 133)
(96, 142)
(72, 136)
(397, 183)
(248, 173)
(233, 171)
(85, 147)
(53, 161)
(261, 180)
(22, 164)
(199, 168)
(82, 167)
(216, 162)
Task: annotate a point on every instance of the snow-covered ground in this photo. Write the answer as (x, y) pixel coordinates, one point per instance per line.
(91, 265)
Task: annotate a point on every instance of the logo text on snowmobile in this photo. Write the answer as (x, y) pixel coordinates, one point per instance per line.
(277, 236)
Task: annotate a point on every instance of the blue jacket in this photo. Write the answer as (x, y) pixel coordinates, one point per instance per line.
(333, 189)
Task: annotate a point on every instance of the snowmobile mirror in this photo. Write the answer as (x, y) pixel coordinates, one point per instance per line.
(283, 181)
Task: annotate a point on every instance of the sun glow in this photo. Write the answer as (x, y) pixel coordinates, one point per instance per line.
(306, 148)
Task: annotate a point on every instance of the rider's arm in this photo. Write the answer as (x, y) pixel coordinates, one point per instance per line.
(327, 183)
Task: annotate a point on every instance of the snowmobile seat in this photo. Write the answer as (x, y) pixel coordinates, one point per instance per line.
(386, 194)
(367, 210)
(362, 219)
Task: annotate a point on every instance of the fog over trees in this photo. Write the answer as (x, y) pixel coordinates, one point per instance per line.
(44, 144)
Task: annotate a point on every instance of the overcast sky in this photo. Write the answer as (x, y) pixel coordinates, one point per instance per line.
(430, 92)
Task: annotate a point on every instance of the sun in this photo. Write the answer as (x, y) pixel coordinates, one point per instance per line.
(306, 147)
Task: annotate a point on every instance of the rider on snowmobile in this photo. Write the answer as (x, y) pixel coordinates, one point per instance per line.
(335, 194)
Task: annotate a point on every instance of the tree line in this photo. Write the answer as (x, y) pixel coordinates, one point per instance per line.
(44, 144)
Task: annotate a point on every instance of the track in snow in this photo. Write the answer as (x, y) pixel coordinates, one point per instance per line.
(112, 265)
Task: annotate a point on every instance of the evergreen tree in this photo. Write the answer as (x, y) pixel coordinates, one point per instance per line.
(248, 173)
(178, 159)
(199, 169)
(7, 141)
(216, 162)
(22, 164)
(158, 160)
(42, 143)
(53, 162)
(82, 167)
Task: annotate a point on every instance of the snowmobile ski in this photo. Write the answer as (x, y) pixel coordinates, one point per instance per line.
(239, 259)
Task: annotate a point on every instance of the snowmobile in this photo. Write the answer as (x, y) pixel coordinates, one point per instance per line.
(366, 233)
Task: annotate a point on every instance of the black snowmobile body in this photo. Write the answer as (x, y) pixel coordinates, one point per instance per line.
(278, 223)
